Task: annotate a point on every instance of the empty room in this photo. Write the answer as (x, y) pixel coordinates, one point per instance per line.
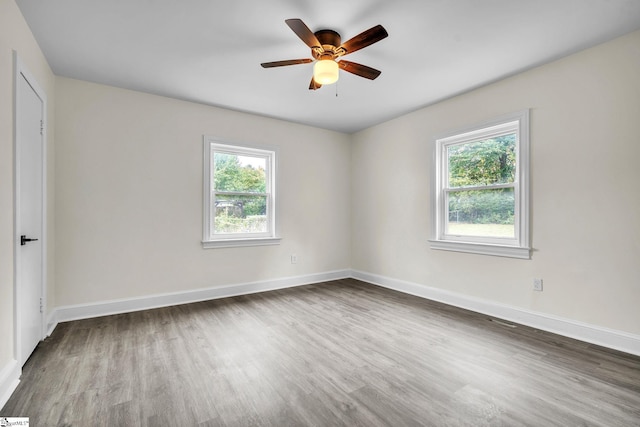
(296, 213)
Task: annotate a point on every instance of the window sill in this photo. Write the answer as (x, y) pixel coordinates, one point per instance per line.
(234, 243)
(482, 249)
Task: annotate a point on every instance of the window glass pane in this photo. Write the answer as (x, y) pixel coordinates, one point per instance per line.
(240, 214)
(244, 174)
(487, 213)
(486, 162)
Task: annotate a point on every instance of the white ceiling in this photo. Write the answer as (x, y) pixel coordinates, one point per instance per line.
(209, 51)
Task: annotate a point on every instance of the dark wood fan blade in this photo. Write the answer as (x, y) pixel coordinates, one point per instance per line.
(287, 62)
(359, 69)
(364, 39)
(313, 85)
(302, 31)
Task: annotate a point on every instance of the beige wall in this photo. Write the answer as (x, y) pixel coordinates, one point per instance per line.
(585, 149)
(129, 196)
(15, 35)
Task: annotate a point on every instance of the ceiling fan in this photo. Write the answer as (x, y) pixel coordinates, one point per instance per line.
(326, 48)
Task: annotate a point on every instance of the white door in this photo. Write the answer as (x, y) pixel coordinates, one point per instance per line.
(29, 216)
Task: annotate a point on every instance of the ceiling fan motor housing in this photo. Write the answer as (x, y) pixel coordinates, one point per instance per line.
(330, 40)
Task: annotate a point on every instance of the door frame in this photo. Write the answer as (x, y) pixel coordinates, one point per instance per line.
(20, 71)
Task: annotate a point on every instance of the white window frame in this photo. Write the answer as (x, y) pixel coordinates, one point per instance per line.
(517, 247)
(213, 145)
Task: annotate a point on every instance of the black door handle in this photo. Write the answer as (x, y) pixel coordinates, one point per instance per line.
(24, 240)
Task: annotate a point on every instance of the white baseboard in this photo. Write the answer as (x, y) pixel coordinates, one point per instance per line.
(52, 322)
(609, 338)
(617, 340)
(105, 308)
(9, 380)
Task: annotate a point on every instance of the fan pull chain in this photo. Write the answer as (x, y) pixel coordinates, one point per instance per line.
(336, 89)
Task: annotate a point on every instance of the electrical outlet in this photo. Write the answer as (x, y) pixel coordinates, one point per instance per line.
(294, 259)
(537, 285)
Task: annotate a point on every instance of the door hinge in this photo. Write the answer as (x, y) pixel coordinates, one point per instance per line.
(41, 127)
(41, 305)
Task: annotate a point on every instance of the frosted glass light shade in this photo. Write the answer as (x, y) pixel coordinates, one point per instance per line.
(325, 72)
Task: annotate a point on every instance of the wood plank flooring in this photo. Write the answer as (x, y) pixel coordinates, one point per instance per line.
(331, 354)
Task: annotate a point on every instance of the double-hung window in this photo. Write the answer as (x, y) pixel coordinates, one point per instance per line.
(480, 189)
(239, 195)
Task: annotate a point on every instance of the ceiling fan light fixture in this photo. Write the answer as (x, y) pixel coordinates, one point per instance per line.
(325, 71)
(326, 47)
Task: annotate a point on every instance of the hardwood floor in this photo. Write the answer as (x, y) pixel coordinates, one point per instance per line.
(337, 353)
